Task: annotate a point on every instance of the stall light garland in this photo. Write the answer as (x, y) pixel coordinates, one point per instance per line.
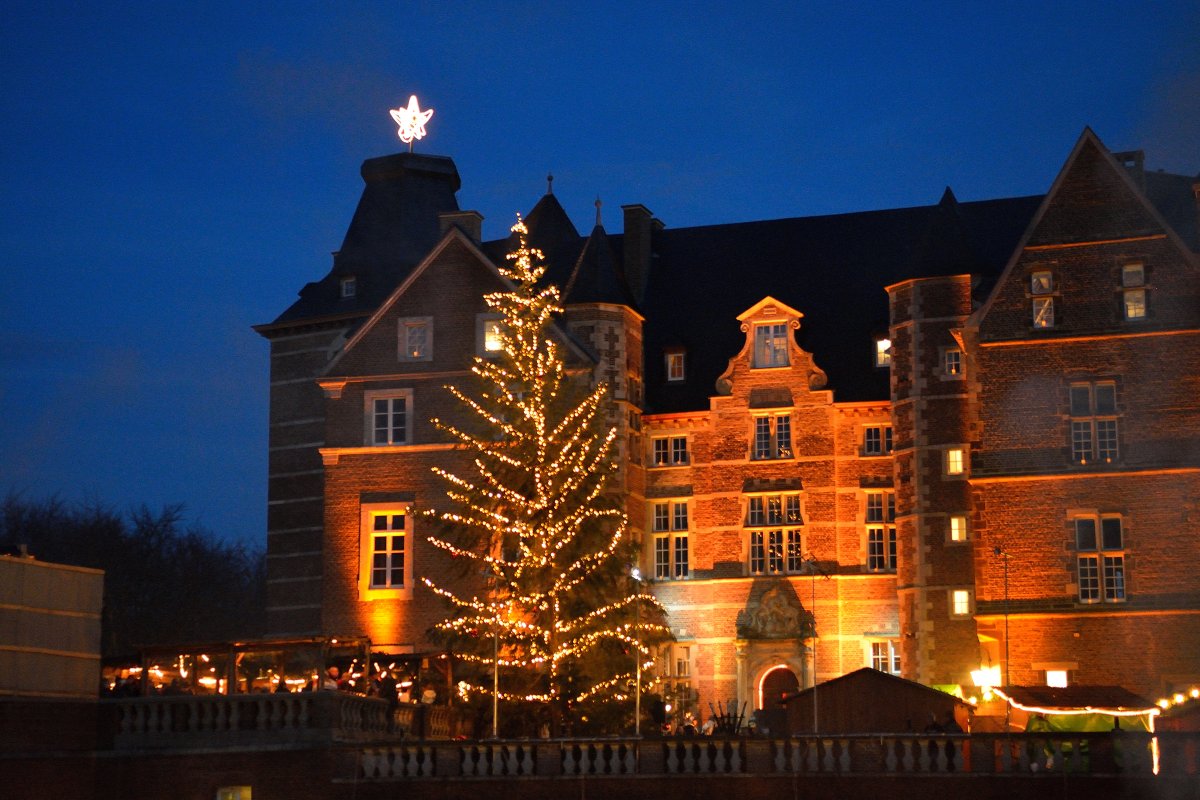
(534, 516)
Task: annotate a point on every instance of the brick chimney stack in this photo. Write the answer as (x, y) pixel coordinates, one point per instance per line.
(469, 222)
(640, 225)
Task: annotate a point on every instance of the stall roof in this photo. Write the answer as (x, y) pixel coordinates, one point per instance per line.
(1099, 698)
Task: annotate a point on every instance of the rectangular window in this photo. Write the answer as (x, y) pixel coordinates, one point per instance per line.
(385, 569)
(958, 528)
(388, 418)
(1133, 281)
(956, 463)
(1101, 560)
(1093, 409)
(952, 362)
(885, 656)
(779, 550)
(675, 367)
(415, 339)
(349, 287)
(1041, 282)
(1056, 678)
(883, 352)
(773, 436)
(771, 345)
(489, 335)
(877, 440)
(881, 531)
(670, 451)
(960, 602)
(671, 549)
(1043, 312)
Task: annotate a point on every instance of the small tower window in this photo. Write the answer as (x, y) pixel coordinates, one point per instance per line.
(349, 287)
(675, 366)
(883, 352)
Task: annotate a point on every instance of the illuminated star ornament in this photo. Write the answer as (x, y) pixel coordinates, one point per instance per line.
(411, 121)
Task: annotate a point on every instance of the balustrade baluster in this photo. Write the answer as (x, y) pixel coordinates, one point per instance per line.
(844, 758)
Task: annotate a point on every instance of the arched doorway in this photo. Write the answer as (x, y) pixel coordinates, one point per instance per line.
(777, 683)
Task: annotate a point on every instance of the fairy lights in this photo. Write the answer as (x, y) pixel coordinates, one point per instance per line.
(532, 516)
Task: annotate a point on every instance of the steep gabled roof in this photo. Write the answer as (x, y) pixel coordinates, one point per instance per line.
(597, 278)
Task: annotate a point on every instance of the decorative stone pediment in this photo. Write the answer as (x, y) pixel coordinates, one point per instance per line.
(777, 614)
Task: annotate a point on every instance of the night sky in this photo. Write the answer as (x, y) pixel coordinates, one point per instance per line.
(171, 174)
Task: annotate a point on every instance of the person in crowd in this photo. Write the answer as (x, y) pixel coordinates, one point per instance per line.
(330, 682)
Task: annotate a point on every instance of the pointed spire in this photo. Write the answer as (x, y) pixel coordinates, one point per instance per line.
(549, 183)
(598, 204)
(948, 198)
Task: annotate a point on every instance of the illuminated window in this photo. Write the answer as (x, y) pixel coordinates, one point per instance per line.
(385, 570)
(1041, 286)
(1056, 678)
(670, 451)
(235, 793)
(780, 548)
(675, 672)
(771, 345)
(415, 339)
(952, 366)
(349, 287)
(881, 531)
(772, 436)
(885, 656)
(883, 352)
(389, 417)
(675, 366)
(670, 526)
(877, 440)
(1093, 423)
(958, 528)
(489, 335)
(960, 602)
(1133, 281)
(956, 463)
(1100, 555)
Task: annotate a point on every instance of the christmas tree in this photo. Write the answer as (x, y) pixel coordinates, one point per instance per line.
(560, 621)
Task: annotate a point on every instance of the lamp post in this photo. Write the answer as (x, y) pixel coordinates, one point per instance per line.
(636, 574)
(1007, 680)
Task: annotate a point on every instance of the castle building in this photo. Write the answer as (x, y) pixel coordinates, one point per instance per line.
(926, 440)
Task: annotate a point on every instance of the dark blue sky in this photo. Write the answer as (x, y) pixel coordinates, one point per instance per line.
(173, 173)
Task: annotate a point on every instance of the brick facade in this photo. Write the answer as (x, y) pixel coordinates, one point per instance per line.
(783, 526)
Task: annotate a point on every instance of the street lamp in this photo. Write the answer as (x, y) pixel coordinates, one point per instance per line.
(1007, 677)
(636, 574)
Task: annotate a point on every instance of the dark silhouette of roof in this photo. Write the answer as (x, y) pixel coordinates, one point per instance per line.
(597, 278)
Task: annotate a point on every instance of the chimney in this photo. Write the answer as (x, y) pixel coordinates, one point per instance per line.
(469, 222)
(640, 225)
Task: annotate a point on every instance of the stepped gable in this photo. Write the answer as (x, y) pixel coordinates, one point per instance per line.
(597, 278)
(832, 268)
(394, 226)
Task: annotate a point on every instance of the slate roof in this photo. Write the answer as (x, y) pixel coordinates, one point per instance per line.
(832, 268)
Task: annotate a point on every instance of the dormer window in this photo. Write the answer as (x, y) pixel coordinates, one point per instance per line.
(883, 352)
(349, 286)
(675, 366)
(770, 345)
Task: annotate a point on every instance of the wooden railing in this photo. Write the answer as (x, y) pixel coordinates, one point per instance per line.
(887, 754)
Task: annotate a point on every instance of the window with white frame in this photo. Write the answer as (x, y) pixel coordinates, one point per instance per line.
(960, 602)
(1041, 286)
(883, 352)
(415, 336)
(772, 436)
(389, 417)
(880, 518)
(1093, 422)
(771, 345)
(958, 528)
(349, 287)
(675, 669)
(1100, 555)
(669, 451)
(956, 461)
(669, 528)
(1133, 283)
(775, 536)
(385, 569)
(877, 440)
(952, 366)
(675, 366)
(885, 656)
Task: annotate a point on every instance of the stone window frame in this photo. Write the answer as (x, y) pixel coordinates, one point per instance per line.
(670, 450)
(875, 654)
(772, 351)
(879, 519)
(348, 287)
(775, 446)
(368, 512)
(675, 364)
(955, 462)
(885, 438)
(957, 609)
(405, 326)
(369, 417)
(670, 540)
(1094, 426)
(951, 364)
(964, 529)
(775, 541)
(1102, 560)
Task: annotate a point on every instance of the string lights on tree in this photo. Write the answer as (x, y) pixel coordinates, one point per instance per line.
(558, 620)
